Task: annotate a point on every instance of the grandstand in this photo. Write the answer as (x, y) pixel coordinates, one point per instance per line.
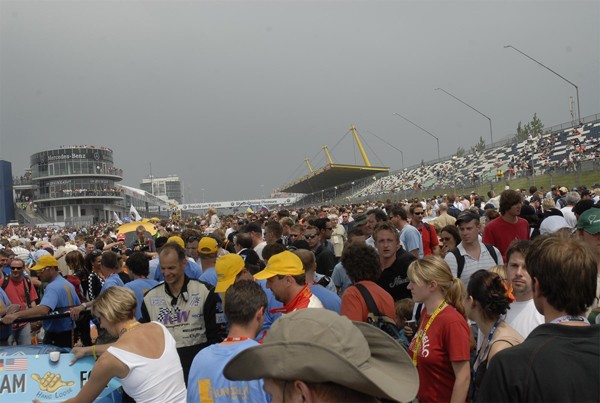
(556, 151)
(333, 175)
(559, 150)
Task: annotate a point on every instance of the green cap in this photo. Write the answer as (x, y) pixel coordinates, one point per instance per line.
(589, 221)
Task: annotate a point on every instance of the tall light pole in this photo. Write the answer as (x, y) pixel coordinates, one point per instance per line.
(394, 147)
(432, 135)
(548, 68)
(482, 114)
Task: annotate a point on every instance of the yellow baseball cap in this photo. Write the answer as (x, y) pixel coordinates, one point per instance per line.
(227, 268)
(177, 239)
(208, 245)
(283, 264)
(45, 261)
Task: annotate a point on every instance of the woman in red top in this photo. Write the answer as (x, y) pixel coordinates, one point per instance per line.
(441, 347)
(362, 266)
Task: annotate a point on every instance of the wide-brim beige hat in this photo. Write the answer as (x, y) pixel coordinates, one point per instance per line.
(318, 345)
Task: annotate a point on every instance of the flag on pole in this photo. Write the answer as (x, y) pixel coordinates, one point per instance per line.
(134, 214)
(116, 218)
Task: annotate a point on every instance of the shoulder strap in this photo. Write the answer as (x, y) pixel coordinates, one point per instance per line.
(26, 287)
(460, 262)
(427, 226)
(492, 251)
(371, 305)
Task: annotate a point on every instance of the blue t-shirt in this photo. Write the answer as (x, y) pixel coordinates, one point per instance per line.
(59, 295)
(209, 276)
(340, 278)
(272, 303)
(330, 300)
(411, 239)
(206, 382)
(139, 287)
(192, 270)
(5, 330)
(111, 281)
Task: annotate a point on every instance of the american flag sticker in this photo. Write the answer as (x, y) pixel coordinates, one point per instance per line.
(16, 364)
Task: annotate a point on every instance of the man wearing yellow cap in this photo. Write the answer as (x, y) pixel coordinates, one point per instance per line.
(208, 249)
(287, 280)
(59, 296)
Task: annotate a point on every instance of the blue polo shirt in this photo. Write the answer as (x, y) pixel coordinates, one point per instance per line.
(209, 276)
(192, 270)
(59, 295)
(329, 299)
(111, 281)
(139, 287)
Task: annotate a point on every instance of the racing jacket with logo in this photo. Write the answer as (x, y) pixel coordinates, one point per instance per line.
(193, 317)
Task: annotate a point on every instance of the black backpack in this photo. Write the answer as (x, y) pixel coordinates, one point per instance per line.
(376, 318)
(460, 259)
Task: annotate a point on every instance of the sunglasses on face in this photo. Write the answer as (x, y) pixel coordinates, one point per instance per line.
(418, 213)
(310, 236)
(16, 268)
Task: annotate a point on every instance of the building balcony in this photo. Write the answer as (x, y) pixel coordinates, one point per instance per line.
(107, 195)
(115, 174)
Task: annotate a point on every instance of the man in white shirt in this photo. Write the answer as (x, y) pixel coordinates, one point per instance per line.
(522, 315)
(473, 253)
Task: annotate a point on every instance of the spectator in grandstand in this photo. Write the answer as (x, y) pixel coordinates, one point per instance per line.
(509, 226)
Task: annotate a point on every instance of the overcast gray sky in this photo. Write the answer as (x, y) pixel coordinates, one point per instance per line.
(232, 96)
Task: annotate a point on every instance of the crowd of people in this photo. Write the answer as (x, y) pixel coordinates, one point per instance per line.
(456, 298)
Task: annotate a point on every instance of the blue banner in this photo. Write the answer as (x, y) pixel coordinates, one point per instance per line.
(25, 376)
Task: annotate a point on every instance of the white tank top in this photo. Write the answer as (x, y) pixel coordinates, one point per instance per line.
(153, 379)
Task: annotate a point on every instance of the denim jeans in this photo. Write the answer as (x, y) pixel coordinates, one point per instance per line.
(21, 336)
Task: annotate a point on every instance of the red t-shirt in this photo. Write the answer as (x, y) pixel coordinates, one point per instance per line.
(16, 292)
(501, 233)
(430, 239)
(447, 340)
(355, 308)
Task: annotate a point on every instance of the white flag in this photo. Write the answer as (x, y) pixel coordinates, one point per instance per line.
(116, 218)
(134, 214)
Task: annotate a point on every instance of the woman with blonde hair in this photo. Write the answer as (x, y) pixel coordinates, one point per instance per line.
(149, 371)
(441, 347)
